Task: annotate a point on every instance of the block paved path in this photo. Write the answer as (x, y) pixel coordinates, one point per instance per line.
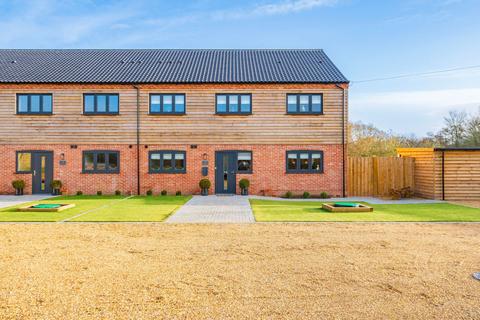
(214, 209)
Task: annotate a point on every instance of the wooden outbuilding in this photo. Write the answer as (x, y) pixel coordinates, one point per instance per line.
(446, 173)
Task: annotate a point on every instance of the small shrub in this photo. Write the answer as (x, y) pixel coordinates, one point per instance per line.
(18, 184)
(79, 193)
(288, 194)
(118, 193)
(306, 195)
(244, 184)
(149, 192)
(163, 193)
(324, 195)
(56, 184)
(99, 193)
(178, 193)
(204, 184)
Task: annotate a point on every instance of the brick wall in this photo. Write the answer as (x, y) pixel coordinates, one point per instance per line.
(268, 170)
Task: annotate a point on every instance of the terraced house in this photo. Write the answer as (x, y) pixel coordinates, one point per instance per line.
(138, 120)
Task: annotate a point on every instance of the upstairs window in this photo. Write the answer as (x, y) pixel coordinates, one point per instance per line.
(100, 103)
(304, 161)
(234, 104)
(305, 104)
(167, 162)
(101, 162)
(34, 104)
(167, 104)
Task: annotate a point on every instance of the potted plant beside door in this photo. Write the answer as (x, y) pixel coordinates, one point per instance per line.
(244, 184)
(204, 186)
(56, 186)
(19, 185)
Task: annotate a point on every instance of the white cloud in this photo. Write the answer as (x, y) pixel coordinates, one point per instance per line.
(291, 6)
(271, 9)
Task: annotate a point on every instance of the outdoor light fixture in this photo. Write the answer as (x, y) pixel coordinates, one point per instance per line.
(205, 156)
(62, 156)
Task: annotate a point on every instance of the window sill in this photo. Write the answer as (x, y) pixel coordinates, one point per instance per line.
(101, 114)
(233, 113)
(304, 172)
(100, 172)
(167, 114)
(34, 114)
(166, 172)
(304, 114)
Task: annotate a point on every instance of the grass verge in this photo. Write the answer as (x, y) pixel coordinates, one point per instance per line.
(101, 209)
(309, 211)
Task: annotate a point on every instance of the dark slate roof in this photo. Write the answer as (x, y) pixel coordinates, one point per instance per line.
(167, 66)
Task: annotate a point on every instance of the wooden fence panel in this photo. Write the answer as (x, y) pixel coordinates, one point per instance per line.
(376, 176)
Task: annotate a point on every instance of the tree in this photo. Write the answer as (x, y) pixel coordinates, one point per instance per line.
(454, 133)
(472, 138)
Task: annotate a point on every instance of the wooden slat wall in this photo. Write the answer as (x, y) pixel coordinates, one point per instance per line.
(462, 175)
(425, 181)
(376, 176)
(268, 125)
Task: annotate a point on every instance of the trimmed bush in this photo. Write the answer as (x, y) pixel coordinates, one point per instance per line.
(118, 193)
(99, 193)
(205, 184)
(79, 193)
(18, 184)
(324, 195)
(149, 192)
(306, 195)
(163, 193)
(288, 194)
(244, 184)
(56, 184)
(178, 193)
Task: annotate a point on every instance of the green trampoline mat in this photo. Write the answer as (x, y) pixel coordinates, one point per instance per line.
(47, 206)
(345, 204)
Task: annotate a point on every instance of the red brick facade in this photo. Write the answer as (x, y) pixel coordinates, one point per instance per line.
(268, 177)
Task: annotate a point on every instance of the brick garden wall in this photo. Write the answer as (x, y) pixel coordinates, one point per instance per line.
(269, 165)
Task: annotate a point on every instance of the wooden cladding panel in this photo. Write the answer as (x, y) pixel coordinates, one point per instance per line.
(376, 176)
(424, 170)
(462, 175)
(268, 123)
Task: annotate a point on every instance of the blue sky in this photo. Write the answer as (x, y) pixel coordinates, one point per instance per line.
(366, 39)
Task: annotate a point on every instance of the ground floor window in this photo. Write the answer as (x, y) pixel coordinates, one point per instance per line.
(101, 162)
(305, 161)
(24, 162)
(244, 161)
(163, 161)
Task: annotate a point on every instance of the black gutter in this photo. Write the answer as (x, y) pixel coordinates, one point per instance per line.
(457, 149)
(443, 175)
(344, 151)
(138, 138)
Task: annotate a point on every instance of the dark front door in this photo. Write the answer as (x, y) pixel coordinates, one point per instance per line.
(42, 175)
(225, 172)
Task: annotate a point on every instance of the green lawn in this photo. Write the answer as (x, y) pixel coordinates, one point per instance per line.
(268, 210)
(102, 208)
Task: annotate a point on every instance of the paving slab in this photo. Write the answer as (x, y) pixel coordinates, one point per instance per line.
(214, 209)
(8, 200)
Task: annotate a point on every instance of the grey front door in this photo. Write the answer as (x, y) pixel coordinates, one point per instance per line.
(225, 172)
(42, 175)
